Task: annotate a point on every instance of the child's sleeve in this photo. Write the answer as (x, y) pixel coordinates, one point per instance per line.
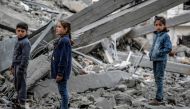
(167, 47)
(64, 57)
(25, 56)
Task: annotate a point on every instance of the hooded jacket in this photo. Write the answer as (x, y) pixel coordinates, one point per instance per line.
(161, 46)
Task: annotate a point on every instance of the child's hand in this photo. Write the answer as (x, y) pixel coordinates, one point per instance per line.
(172, 53)
(146, 52)
(12, 70)
(72, 42)
(59, 78)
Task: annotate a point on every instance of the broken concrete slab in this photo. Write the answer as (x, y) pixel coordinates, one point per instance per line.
(37, 69)
(42, 36)
(121, 88)
(142, 43)
(5, 27)
(181, 49)
(122, 20)
(95, 12)
(72, 5)
(105, 103)
(171, 22)
(108, 79)
(10, 18)
(107, 47)
(121, 107)
(171, 66)
(44, 88)
(6, 48)
(122, 99)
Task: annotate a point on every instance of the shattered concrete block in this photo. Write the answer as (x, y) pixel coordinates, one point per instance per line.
(91, 98)
(72, 5)
(98, 92)
(131, 83)
(16, 8)
(37, 69)
(2, 78)
(92, 107)
(122, 99)
(4, 2)
(122, 107)
(171, 100)
(105, 103)
(108, 79)
(4, 100)
(44, 88)
(121, 88)
(84, 103)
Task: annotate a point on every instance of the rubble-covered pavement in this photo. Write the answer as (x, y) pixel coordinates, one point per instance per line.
(127, 92)
(110, 73)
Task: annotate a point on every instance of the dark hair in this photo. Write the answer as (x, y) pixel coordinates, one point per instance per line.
(22, 25)
(162, 20)
(66, 25)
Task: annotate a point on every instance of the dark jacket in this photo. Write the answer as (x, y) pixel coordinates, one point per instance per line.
(61, 58)
(161, 47)
(21, 54)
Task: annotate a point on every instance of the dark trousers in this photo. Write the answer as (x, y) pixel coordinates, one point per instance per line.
(62, 86)
(20, 85)
(158, 69)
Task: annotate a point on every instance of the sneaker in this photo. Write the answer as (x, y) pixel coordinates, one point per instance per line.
(15, 104)
(26, 106)
(155, 102)
(22, 106)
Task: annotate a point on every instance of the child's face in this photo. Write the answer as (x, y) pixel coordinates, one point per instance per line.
(21, 32)
(159, 26)
(60, 30)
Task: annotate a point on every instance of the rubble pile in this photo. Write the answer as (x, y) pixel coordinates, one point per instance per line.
(112, 73)
(35, 14)
(130, 92)
(135, 93)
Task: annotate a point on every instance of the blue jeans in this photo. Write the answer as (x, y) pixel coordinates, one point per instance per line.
(62, 86)
(158, 69)
(20, 85)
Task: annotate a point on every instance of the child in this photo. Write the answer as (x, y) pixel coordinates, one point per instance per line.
(61, 60)
(20, 63)
(158, 54)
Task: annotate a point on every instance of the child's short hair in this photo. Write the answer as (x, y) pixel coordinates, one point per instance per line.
(22, 25)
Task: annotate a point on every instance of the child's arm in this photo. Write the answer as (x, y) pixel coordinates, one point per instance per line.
(25, 56)
(167, 46)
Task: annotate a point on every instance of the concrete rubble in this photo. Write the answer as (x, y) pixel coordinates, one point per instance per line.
(107, 74)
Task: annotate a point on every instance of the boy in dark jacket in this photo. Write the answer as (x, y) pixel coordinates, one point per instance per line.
(20, 62)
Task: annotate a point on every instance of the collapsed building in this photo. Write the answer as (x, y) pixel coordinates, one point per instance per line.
(109, 70)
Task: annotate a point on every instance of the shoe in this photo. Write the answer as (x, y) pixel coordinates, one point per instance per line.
(24, 106)
(155, 102)
(15, 104)
(27, 106)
